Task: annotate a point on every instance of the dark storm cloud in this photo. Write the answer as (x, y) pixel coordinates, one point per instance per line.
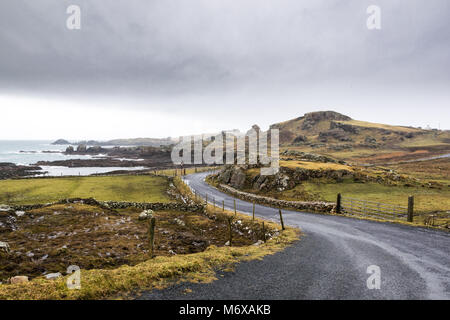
(264, 60)
(166, 46)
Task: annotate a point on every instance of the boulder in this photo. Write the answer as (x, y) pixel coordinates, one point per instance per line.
(81, 148)
(18, 279)
(146, 214)
(237, 178)
(370, 140)
(4, 208)
(53, 276)
(20, 213)
(70, 149)
(258, 243)
(4, 246)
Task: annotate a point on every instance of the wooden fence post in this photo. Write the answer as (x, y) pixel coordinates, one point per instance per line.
(339, 203)
(410, 208)
(281, 219)
(151, 231)
(253, 215)
(234, 206)
(223, 205)
(229, 229)
(206, 202)
(264, 232)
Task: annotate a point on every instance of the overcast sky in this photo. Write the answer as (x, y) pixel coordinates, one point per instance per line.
(141, 68)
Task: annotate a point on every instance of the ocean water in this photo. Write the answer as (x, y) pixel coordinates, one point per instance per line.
(10, 151)
(27, 152)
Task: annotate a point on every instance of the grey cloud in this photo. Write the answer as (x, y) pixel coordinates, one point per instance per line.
(175, 47)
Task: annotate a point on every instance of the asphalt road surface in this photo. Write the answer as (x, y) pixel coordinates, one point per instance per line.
(330, 261)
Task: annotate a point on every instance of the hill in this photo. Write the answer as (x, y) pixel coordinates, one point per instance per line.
(335, 134)
(148, 142)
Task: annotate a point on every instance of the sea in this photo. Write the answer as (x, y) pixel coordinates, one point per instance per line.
(28, 152)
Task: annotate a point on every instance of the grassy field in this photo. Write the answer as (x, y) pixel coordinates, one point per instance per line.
(426, 199)
(171, 172)
(117, 188)
(314, 165)
(160, 271)
(431, 188)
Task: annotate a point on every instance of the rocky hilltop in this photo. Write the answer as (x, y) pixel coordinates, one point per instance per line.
(332, 127)
(332, 133)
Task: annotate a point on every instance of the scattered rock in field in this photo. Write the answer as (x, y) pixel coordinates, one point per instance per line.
(179, 222)
(4, 246)
(146, 214)
(4, 208)
(227, 243)
(44, 257)
(18, 279)
(29, 254)
(172, 252)
(53, 276)
(258, 243)
(20, 213)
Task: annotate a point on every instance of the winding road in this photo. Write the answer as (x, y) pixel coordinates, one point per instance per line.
(330, 261)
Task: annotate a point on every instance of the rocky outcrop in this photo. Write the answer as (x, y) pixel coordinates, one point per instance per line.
(234, 176)
(338, 134)
(311, 119)
(299, 155)
(81, 148)
(11, 170)
(316, 206)
(284, 179)
(344, 127)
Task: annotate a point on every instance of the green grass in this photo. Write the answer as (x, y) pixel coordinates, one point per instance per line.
(116, 188)
(426, 199)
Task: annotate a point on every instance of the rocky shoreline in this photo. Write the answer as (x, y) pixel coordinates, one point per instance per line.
(10, 170)
(114, 157)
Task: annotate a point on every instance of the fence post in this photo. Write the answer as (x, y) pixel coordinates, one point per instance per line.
(223, 205)
(214, 205)
(410, 208)
(234, 206)
(264, 232)
(253, 215)
(339, 203)
(151, 231)
(229, 229)
(281, 219)
(206, 202)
